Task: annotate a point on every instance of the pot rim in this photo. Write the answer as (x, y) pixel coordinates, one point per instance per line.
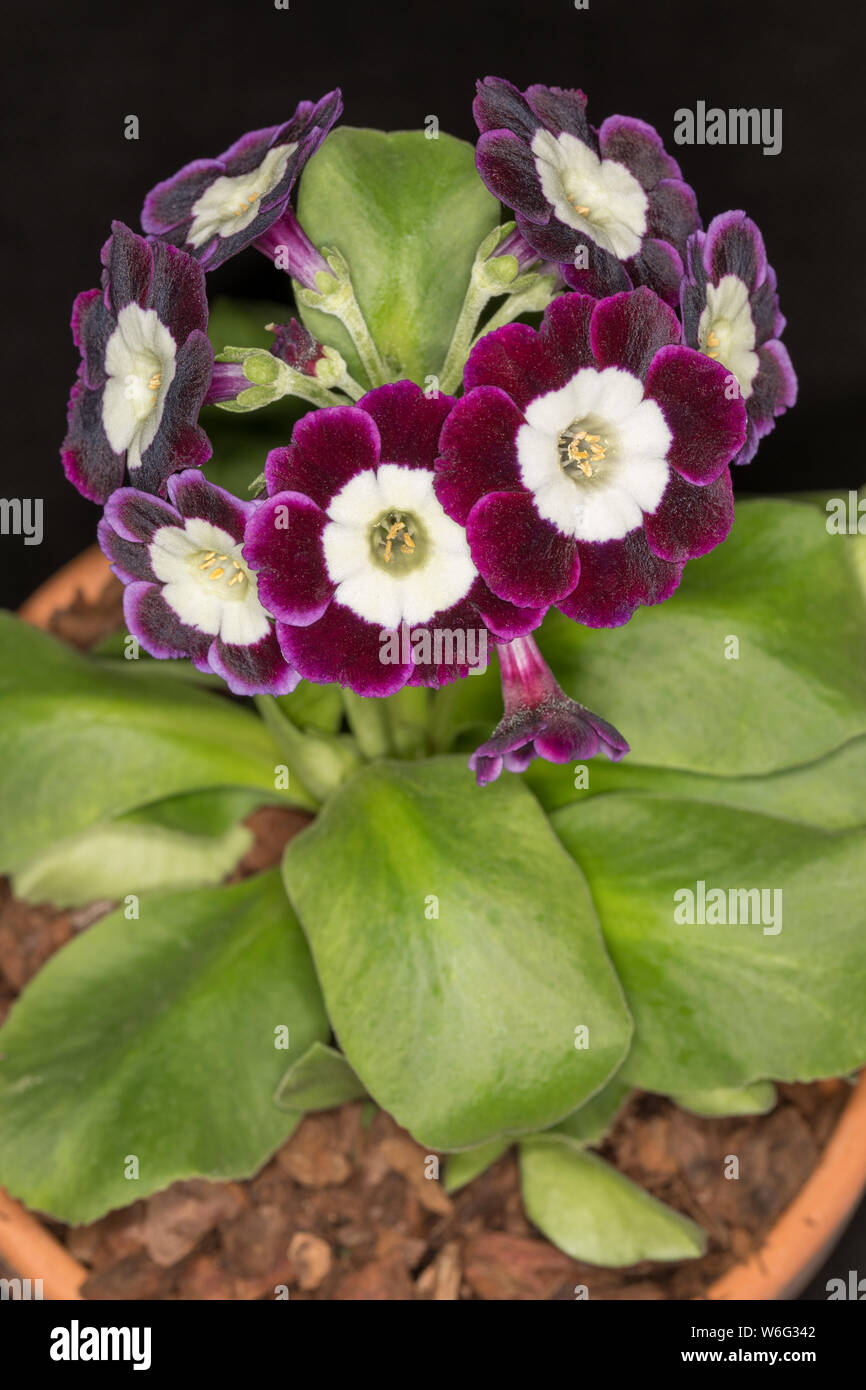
(794, 1246)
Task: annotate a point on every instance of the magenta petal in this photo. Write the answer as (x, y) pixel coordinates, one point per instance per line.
(128, 262)
(615, 578)
(259, 669)
(284, 546)
(177, 291)
(342, 648)
(409, 423)
(639, 147)
(628, 330)
(130, 560)
(562, 109)
(523, 558)
(92, 326)
(659, 266)
(498, 105)
(505, 620)
(690, 520)
(137, 516)
(194, 496)
(88, 460)
(566, 334)
(328, 449)
(700, 401)
(526, 364)
(507, 167)
(478, 451)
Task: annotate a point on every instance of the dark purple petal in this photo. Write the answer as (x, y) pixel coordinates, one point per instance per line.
(158, 628)
(562, 109)
(130, 560)
(92, 326)
(409, 423)
(507, 167)
(137, 516)
(703, 410)
(478, 452)
(639, 147)
(177, 291)
(284, 546)
(615, 578)
(328, 449)
(526, 364)
(505, 620)
(180, 442)
(128, 262)
(463, 644)
(673, 213)
(89, 462)
(658, 266)
(604, 275)
(259, 669)
(764, 306)
(774, 391)
(553, 241)
(566, 334)
(693, 290)
(296, 346)
(522, 557)
(734, 246)
(627, 330)
(500, 106)
(690, 520)
(342, 648)
(194, 496)
(169, 204)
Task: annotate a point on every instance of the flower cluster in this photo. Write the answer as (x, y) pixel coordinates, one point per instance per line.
(400, 533)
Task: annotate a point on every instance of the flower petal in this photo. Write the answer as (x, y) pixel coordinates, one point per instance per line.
(615, 578)
(284, 546)
(137, 516)
(639, 147)
(507, 167)
(478, 451)
(690, 520)
(673, 212)
(627, 330)
(734, 246)
(702, 409)
(158, 628)
(259, 669)
(340, 647)
(328, 448)
(89, 462)
(523, 558)
(408, 421)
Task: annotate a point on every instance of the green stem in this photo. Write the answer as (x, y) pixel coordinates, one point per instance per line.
(368, 721)
(320, 762)
(533, 300)
(336, 296)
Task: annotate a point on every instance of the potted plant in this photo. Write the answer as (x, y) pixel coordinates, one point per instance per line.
(371, 554)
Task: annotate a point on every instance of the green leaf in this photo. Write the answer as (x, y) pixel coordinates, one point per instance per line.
(458, 952)
(727, 1005)
(311, 706)
(593, 1213)
(591, 1121)
(465, 1167)
(828, 793)
(408, 214)
(82, 742)
(787, 591)
(155, 1040)
(319, 1080)
(746, 1100)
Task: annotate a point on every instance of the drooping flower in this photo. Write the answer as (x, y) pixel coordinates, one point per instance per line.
(614, 195)
(214, 208)
(189, 591)
(145, 368)
(730, 311)
(371, 583)
(540, 721)
(589, 460)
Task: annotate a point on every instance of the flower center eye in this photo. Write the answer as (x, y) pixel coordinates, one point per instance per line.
(583, 450)
(224, 574)
(398, 541)
(580, 208)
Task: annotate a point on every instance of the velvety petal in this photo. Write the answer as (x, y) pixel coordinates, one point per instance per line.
(764, 307)
(158, 628)
(92, 326)
(658, 266)
(194, 496)
(478, 451)
(604, 275)
(89, 462)
(734, 246)
(169, 204)
(461, 634)
(128, 262)
(328, 448)
(505, 620)
(627, 330)
(526, 364)
(137, 516)
(615, 578)
(409, 423)
(566, 334)
(693, 392)
(774, 391)
(639, 147)
(342, 648)
(693, 290)
(130, 560)
(523, 558)
(553, 241)
(180, 442)
(562, 109)
(177, 291)
(260, 669)
(500, 106)
(673, 212)
(690, 520)
(564, 739)
(284, 546)
(507, 167)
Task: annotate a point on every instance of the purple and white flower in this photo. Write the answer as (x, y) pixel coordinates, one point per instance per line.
(730, 311)
(189, 592)
(589, 460)
(540, 721)
(614, 193)
(353, 549)
(214, 208)
(146, 365)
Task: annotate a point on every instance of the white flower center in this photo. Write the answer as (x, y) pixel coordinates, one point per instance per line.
(206, 581)
(726, 330)
(383, 577)
(229, 205)
(140, 364)
(598, 197)
(594, 454)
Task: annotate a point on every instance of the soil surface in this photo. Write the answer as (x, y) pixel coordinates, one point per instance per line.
(343, 1211)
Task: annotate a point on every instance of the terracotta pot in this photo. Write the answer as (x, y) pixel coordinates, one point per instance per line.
(792, 1251)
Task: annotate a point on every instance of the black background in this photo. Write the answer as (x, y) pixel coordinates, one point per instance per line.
(198, 74)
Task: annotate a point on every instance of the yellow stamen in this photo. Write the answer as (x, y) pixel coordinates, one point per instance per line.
(155, 382)
(218, 573)
(237, 579)
(408, 544)
(208, 560)
(712, 340)
(592, 438)
(580, 209)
